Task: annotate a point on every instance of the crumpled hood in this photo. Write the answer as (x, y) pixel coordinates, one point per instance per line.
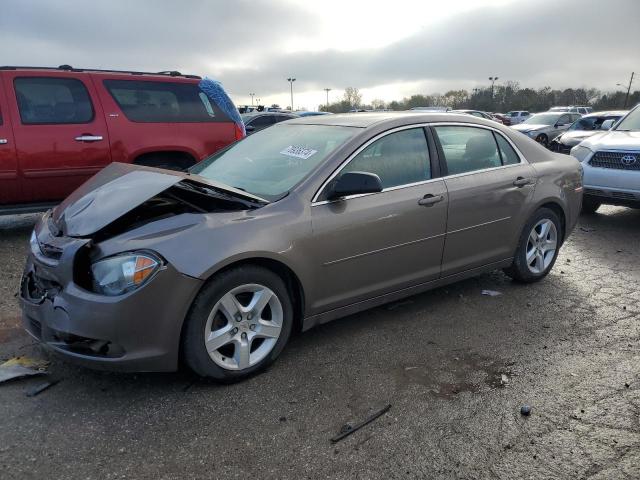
(118, 189)
(528, 127)
(614, 140)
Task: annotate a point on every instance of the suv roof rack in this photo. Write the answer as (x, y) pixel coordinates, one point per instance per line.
(69, 68)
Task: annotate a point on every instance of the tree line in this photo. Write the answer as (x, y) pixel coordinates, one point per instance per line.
(501, 98)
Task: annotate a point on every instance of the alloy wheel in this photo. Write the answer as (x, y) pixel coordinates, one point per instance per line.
(541, 246)
(243, 326)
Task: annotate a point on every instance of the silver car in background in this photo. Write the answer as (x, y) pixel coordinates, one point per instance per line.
(299, 224)
(544, 127)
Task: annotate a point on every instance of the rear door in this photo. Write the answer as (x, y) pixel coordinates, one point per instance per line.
(488, 185)
(60, 132)
(9, 179)
(386, 241)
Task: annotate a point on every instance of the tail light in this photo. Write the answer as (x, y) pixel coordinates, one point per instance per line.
(238, 132)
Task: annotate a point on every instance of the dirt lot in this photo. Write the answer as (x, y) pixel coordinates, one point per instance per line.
(569, 346)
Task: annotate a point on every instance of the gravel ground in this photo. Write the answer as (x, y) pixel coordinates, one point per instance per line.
(568, 346)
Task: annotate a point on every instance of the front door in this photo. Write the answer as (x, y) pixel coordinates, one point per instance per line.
(9, 179)
(365, 246)
(488, 187)
(60, 133)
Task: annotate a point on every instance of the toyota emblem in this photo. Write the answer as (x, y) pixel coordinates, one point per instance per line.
(628, 160)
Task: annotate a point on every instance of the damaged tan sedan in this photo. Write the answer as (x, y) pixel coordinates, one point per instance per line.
(302, 223)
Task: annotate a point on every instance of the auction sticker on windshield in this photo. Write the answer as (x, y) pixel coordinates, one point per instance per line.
(298, 152)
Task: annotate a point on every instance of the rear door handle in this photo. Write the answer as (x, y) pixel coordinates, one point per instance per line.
(521, 181)
(3, 141)
(88, 138)
(429, 200)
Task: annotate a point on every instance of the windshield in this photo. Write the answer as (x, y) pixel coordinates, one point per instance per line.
(543, 119)
(631, 121)
(591, 123)
(272, 161)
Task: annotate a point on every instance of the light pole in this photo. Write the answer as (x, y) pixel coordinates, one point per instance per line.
(252, 95)
(327, 90)
(291, 80)
(626, 99)
(493, 81)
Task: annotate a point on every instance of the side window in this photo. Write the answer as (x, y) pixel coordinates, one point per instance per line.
(262, 121)
(399, 158)
(51, 100)
(564, 119)
(163, 102)
(507, 153)
(467, 149)
(525, 114)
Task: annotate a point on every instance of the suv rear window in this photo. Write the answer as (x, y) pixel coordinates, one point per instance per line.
(52, 100)
(166, 102)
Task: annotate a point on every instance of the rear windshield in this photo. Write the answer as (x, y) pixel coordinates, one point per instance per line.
(164, 102)
(272, 161)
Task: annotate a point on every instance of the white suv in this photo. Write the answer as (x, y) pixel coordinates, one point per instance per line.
(611, 162)
(517, 116)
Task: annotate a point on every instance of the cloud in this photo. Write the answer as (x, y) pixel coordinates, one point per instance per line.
(252, 45)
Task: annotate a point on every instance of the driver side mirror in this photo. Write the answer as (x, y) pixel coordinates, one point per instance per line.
(607, 124)
(354, 183)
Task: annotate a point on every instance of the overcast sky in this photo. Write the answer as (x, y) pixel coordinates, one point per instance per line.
(386, 49)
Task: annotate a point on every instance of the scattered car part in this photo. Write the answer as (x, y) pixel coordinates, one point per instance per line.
(348, 429)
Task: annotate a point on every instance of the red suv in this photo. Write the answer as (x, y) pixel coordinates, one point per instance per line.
(59, 126)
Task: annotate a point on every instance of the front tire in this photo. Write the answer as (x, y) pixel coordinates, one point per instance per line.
(543, 140)
(590, 205)
(238, 324)
(537, 248)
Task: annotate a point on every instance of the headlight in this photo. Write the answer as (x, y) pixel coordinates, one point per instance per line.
(123, 273)
(581, 153)
(33, 241)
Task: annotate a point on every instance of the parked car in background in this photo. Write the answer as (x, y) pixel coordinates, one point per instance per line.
(294, 226)
(583, 128)
(517, 116)
(543, 127)
(59, 126)
(611, 163)
(502, 118)
(256, 121)
(311, 114)
(430, 109)
(476, 113)
(573, 109)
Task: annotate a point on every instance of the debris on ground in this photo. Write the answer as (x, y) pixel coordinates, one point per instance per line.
(491, 293)
(504, 380)
(348, 429)
(20, 367)
(41, 387)
(587, 229)
(525, 410)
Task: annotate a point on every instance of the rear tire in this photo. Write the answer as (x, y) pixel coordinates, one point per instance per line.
(537, 248)
(590, 205)
(238, 324)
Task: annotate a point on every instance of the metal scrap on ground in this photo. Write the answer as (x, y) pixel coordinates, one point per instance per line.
(20, 367)
(348, 429)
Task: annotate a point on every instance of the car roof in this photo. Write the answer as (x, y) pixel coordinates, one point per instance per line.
(277, 114)
(70, 69)
(607, 113)
(365, 119)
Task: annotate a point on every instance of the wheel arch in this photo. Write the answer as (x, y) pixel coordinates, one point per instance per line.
(558, 209)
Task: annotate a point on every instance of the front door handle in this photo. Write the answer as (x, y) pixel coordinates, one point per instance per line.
(429, 200)
(3, 141)
(521, 182)
(88, 138)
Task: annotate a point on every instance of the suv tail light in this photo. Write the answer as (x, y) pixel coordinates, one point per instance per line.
(238, 132)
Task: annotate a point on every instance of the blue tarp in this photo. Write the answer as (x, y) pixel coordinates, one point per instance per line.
(215, 92)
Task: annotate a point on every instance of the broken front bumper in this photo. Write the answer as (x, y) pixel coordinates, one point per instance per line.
(137, 331)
